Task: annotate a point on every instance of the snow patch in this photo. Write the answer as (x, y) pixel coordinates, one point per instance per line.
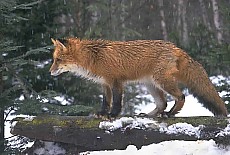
(182, 128)
(43, 63)
(13, 141)
(62, 100)
(146, 123)
(50, 148)
(44, 100)
(10, 124)
(128, 122)
(224, 132)
(218, 80)
(21, 98)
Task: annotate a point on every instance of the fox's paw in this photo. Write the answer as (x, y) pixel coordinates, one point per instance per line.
(164, 114)
(167, 114)
(112, 116)
(102, 113)
(143, 115)
(114, 112)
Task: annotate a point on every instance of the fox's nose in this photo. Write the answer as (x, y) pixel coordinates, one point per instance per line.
(52, 68)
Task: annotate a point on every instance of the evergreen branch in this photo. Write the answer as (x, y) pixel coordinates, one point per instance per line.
(14, 59)
(25, 62)
(10, 137)
(8, 49)
(2, 68)
(13, 18)
(25, 86)
(38, 50)
(7, 6)
(28, 53)
(5, 43)
(10, 90)
(8, 113)
(27, 6)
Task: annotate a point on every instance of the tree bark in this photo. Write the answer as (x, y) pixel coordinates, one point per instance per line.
(163, 23)
(2, 125)
(2, 120)
(179, 25)
(84, 134)
(217, 22)
(184, 22)
(205, 15)
(122, 18)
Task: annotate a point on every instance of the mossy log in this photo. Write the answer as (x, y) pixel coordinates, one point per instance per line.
(84, 134)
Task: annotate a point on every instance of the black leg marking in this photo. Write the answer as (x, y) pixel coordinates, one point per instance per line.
(104, 107)
(107, 95)
(117, 100)
(180, 99)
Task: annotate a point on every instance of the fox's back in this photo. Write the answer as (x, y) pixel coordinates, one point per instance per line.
(135, 59)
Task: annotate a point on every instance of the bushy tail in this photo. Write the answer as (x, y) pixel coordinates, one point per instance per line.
(193, 75)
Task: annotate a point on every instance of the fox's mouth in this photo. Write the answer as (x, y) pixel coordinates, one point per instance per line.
(57, 72)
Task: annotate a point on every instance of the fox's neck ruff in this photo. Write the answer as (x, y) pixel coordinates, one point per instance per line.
(84, 73)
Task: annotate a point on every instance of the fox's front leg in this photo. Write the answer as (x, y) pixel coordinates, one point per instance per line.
(107, 99)
(117, 91)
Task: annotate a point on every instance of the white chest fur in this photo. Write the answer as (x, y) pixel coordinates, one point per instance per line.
(84, 73)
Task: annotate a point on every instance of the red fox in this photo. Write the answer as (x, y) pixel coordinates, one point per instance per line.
(160, 65)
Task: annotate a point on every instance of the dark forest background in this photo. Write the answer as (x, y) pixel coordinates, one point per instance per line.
(201, 27)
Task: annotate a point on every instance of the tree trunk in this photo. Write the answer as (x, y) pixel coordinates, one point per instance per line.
(80, 18)
(2, 146)
(163, 23)
(179, 25)
(184, 22)
(217, 23)
(205, 15)
(122, 18)
(2, 122)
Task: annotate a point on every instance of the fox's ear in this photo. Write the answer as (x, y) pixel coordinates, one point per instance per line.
(54, 42)
(61, 43)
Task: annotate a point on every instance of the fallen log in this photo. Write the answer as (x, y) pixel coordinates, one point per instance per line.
(83, 133)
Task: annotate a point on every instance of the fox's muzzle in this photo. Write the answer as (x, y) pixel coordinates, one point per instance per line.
(54, 71)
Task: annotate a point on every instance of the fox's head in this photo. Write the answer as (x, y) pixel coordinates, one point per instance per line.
(62, 57)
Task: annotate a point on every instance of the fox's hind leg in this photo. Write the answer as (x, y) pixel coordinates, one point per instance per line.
(170, 85)
(159, 98)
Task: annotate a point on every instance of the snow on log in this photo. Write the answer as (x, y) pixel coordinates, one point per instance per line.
(92, 134)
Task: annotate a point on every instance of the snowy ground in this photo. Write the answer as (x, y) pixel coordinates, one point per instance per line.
(191, 108)
(170, 148)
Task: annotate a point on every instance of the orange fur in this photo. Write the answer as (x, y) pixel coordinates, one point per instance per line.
(158, 64)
